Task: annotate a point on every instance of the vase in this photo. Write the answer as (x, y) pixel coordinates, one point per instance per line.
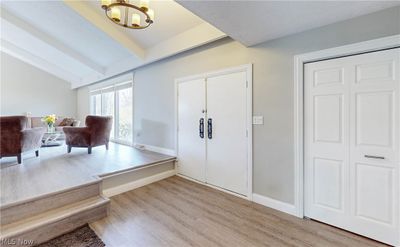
(50, 128)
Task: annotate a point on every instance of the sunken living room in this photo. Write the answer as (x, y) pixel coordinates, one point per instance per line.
(199, 123)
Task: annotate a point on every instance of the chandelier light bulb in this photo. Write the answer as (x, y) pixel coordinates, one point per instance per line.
(105, 3)
(116, 14)
(135, 20)
(144, 4)
(150, 12)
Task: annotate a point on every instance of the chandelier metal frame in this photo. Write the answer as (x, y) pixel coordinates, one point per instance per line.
(127, 6)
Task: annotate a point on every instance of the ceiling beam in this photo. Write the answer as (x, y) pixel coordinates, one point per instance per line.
(37, 62)
(197, 36)
(20, 24)
(106, 26)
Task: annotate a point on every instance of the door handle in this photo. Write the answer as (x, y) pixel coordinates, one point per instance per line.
(374, 157)
(209, 128)
(201, 128)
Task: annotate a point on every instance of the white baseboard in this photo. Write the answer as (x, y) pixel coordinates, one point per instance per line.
(263, 200)
(138, 183)
(275, 204)
(156, 149)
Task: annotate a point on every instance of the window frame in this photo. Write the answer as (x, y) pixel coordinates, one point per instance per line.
(114, 88)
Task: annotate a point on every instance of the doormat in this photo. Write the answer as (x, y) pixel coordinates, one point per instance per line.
(81, 237)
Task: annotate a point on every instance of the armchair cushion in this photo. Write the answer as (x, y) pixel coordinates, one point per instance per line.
(66, 122)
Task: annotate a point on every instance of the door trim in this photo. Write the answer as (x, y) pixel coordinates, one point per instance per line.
(248, 68)
(299, 61)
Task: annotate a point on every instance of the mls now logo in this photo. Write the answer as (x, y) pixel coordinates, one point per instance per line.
(16, 241)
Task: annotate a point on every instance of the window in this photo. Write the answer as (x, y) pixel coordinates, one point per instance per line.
(115, 101)
(124, 108)
(95, 104)
(108, 107)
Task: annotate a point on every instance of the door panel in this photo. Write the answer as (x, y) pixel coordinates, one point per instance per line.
(227, 149)
(374, 190)
(376, 72)
(370, 107)
(328, 76)
(328, 117)
(352, 143)
(328, 183)
(191, 147)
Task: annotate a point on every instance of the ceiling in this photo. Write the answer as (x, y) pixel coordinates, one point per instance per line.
(253, 22)
(76, 42)
(178, 22)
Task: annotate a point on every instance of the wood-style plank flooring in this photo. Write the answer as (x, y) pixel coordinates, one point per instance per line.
(55, 169)
(178, 212)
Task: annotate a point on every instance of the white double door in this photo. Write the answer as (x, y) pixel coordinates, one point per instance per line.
(352, 147)
(212, 131)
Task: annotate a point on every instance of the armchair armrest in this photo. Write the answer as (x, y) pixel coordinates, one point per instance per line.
(10, 143)
(32, 138)
(77, 136)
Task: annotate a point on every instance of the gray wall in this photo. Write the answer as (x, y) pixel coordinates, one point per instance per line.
(272, 91)
(25, 88)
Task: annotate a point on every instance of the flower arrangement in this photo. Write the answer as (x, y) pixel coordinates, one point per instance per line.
(49, 120)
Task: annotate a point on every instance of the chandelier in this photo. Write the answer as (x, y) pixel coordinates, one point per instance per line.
(126, 14)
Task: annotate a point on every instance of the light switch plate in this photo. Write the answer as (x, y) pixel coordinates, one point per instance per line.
(258, 120)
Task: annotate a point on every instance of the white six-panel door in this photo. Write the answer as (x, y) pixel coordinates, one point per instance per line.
(352, 136)
(227, 148)
(191, 147)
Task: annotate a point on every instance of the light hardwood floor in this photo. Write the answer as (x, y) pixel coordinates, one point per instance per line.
(178, 212)
(56, 170)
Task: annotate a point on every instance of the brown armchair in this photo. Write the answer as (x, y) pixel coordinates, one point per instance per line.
(16, 139)
(96, 133)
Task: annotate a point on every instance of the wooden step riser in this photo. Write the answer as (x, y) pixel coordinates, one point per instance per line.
(52, 230)
(28, 209)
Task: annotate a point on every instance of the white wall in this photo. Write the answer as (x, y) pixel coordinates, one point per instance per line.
(25, 88)
(272, 91)
(83, 104)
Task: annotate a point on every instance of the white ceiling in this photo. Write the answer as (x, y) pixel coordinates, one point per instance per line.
(253, 22)
(178, 18)
(64, 25)
(76, 42)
